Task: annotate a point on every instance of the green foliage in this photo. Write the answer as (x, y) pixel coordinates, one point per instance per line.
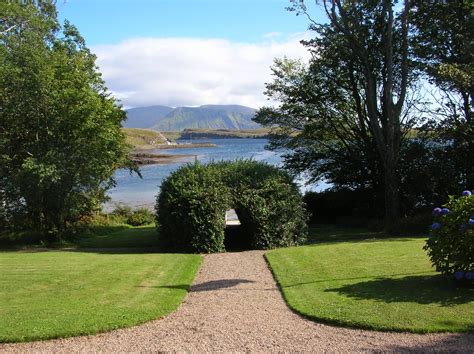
(325, 122)
(191, 209)
(268, 204)
(122, 212)
(193, 200)
(141, 217)
(443, 48)
(126, 215)
(451, 243)
(341, 117)
(61, 140)
(442, 42)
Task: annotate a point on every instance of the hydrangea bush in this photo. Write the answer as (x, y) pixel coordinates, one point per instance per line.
(451, 242)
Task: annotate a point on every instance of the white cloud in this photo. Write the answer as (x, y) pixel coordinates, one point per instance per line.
(272, 35)
(190, 71)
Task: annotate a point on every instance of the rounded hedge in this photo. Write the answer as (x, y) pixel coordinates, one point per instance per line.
(451, 242)
(190, 209)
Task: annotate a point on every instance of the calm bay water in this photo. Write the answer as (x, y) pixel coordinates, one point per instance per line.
(136, 192)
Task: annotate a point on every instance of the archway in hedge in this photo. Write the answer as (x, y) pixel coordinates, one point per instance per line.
(235, 238)
(193, 201)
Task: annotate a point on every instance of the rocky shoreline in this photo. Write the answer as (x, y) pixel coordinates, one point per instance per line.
(143, 157)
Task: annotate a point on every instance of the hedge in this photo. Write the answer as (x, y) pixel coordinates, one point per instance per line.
(190, 209)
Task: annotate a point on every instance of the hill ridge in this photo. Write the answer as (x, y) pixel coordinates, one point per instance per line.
(209, 116)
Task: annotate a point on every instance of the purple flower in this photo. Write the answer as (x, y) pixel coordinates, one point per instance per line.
(471, 221)
(459, 275)
(445, 211)
(469, 275)
(466, 193)
(435, 226)
(436, 211)
(462, 228)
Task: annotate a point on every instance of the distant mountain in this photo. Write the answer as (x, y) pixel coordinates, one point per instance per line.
(233, 117)
(145, 117)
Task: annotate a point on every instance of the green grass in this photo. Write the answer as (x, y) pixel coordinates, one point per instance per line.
(143, 138)
(111, 282)
(384, 284)
(121, 236)
(331, 233)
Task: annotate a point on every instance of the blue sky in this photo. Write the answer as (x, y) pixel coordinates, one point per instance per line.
(110, 21)
(182, 52)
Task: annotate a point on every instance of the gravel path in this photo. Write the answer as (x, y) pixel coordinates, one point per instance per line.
(235, 305)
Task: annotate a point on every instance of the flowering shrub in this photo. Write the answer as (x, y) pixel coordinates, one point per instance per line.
(451, 242)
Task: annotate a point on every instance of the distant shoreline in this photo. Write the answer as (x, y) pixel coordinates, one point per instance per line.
(142, 157)
(181, 146)
(198, 134)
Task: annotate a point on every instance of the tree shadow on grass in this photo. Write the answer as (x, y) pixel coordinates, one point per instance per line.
(427, 289)
(328, 234)
(207, 286)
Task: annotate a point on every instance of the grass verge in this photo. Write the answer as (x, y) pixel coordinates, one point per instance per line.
(384, 284)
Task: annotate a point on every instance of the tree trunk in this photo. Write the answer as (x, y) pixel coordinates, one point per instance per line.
(392, 199)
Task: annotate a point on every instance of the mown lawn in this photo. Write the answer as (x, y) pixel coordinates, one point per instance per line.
(50, 294)
(380, 284)
(123, 236)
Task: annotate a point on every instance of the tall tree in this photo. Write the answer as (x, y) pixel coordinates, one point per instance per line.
(443, 42)
(361, 56)
(60, 136)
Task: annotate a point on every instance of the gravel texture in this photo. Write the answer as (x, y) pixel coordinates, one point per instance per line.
(235, 305)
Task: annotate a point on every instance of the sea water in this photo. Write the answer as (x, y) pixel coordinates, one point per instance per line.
(138, 192)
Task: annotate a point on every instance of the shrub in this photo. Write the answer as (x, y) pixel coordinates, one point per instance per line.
(193, 200)
(451, 242)
(140, 217)
(121, 213)
(272, 215)
(191, 209)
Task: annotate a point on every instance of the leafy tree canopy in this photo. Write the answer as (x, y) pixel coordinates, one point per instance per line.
(60, 138)
(353, 115)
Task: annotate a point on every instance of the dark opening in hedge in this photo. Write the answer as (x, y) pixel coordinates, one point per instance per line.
(194, 199)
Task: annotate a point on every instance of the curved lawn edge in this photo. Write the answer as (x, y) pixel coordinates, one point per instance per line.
(317, 319)
(341, 322)
(176, 291)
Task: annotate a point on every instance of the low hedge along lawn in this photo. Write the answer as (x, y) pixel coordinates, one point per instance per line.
(193, 200)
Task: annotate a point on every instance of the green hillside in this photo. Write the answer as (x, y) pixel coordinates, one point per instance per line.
(143, 138)
(145, 117)
(208, 117)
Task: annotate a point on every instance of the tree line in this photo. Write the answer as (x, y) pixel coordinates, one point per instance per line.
(60, 137)
(360, 114)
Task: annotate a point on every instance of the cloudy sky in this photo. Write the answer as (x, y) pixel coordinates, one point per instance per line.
(188, 52)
